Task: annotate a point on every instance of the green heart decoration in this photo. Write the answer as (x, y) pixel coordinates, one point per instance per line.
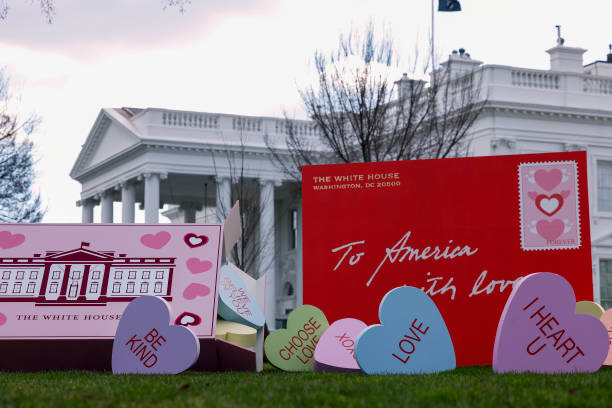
(292, 349)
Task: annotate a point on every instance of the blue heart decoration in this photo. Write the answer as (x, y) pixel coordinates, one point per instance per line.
(235, 303)
(411, 339)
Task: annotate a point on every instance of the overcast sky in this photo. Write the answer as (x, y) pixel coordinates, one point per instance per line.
(237, 56)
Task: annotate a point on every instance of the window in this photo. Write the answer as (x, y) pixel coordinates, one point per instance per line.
(118, 274)
(20, 274)
(55, 275)
(293, 233)
(6, 275)
(288, 289)
(96, 275)
(116, 287)
(159, 275)
(605, 282)
(145, 274)
(53, 288)
(130, 287)
(17, 288)
(132, 275)
(31, 287)
(144, 287)
(604, 185)
(33, 274)
(93, 288)
(3, 287)
(76, 274)
(158, 287)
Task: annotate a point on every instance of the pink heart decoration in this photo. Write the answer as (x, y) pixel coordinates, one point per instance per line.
(156, 241)
(335, 352)
(194, 290)
(188, 319)
(548, 179)
(8, 240)
(197, 266)
(550, 230)
(2, 319)
(539, 332)
(146, 343)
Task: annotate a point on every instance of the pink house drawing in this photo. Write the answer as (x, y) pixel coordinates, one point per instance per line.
(81, 277)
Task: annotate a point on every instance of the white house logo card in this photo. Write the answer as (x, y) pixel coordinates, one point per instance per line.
(61, 281)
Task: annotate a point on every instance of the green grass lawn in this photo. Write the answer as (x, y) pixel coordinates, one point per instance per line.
(464, 387)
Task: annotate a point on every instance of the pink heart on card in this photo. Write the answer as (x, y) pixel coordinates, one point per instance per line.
(2, 319)
(548, 179)
(195, 265)
(155, 241)
(8, 240)
(193, 241)
(194, 290)
(335, 352)
(146, 343)
(539, 332)
(550, 230)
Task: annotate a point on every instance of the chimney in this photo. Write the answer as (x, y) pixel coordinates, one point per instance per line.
(601, 68)
(406, 86)
(459, 63)
(566, 59)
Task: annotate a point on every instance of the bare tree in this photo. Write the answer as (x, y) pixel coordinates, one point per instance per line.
(247, 252)
(17, 201)
(362, 115)
(47, 7)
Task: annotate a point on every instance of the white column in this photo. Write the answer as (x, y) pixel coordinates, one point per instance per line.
(189, 214)
(151, 193)
(299, 290)
(128, 200)
(224, 197)
(267, 244)
(107, 207)
(87, 211)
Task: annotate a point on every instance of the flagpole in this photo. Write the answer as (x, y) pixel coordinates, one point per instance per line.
(433, 65)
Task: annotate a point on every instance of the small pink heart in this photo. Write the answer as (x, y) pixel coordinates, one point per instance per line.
(146, 343)
(550, 230)
(335, 350)
(533, 195)
(197, 266)
(155, 241)
(548, 179)
(194, 290)
(2, 319)
(8, 240)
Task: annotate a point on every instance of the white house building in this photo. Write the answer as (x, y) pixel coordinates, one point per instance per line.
(158, 156)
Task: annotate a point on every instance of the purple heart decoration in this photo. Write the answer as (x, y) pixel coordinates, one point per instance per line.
(539, 332)
(335, 352)
(146, 343)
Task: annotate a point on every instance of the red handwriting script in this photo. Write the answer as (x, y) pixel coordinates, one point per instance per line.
(407, 343)
(545, 323)
(146, 352)
(238, 295)
(348, 343)
(303, 344)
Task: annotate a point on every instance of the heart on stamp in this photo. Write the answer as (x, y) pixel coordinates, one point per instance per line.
(548, 179)
(194, 290)
(411, 339)
(293, 348)
(335, 352)
(193, 241)
(539, 332)
(155, 241)
(549, 205)
(8, 240)
(550, 230)
(235, 302)
(188, 319)
(146, 343)
(196, 265)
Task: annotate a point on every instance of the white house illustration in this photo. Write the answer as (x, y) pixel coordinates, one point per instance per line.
(83, 277)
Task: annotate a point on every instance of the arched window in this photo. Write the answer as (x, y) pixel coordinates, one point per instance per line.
(288, 289)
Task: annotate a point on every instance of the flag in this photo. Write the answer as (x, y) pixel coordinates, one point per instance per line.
(449, 5)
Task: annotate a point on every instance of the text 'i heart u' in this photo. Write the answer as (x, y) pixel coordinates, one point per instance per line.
(539, 331)
(411, 339)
